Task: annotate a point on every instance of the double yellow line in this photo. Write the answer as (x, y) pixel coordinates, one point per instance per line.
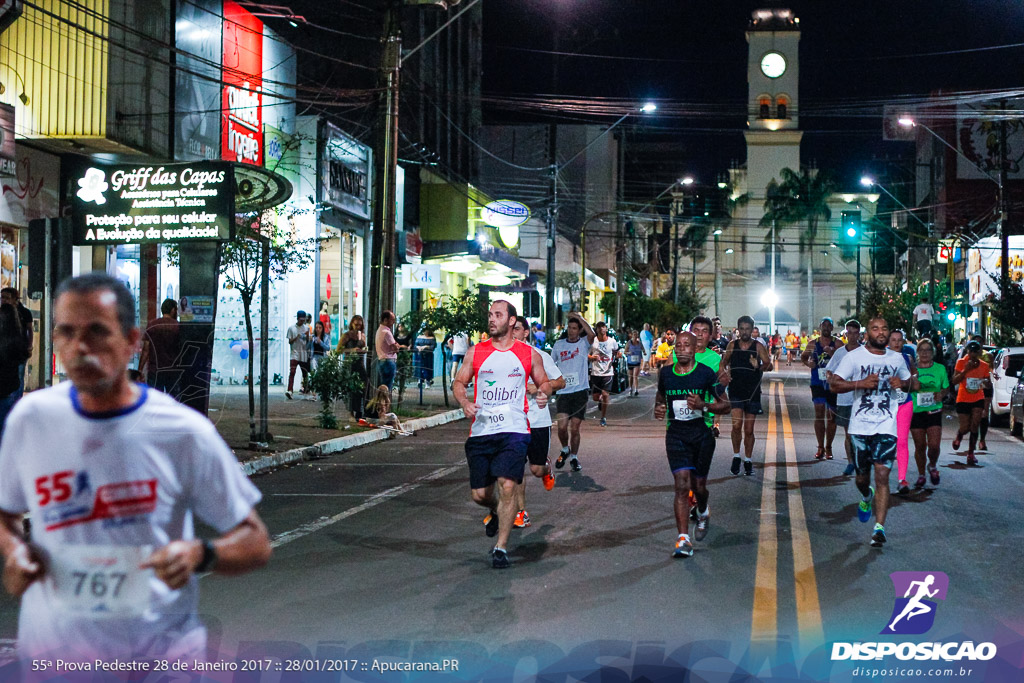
(765, 619)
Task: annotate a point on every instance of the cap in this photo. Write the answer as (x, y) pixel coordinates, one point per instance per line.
(973, 345)
(300, 314)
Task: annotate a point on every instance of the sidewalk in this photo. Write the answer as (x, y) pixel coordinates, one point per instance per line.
(293, 423)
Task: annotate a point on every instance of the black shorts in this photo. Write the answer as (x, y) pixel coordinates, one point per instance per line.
(692, 450)
(931, 418)
(750, 407)
(573, 404)
(987, 391)
(821, 394)
(876, 449)
(967, 408)
(496, 455)
(540, 441)
(599, 383)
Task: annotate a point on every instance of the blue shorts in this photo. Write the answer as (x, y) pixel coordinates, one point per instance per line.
(821, 395)
(496, 455)
(876, 449)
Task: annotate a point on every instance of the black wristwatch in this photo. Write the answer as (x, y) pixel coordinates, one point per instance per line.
(209, 561)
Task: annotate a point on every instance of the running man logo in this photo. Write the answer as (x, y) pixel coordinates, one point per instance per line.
(916, 593)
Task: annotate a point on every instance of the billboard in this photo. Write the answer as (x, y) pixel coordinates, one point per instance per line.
(197, 90)
(984, 265)
(242, 97)
(978, 140)
(135, 204)
(346, 173)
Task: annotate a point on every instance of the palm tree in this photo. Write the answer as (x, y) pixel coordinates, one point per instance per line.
(800, 197)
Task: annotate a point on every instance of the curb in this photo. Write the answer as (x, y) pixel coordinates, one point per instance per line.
(341, 443)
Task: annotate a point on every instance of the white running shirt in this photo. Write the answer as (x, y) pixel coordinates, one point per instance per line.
(874, 412)
(541, 417)
(103, 493)
(833, 363)
(605, 351)
(499, 389)
(571, 359)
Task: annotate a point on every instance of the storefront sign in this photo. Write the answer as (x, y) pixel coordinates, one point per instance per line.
(505, 213)
(243, 90)
(346, 173)
(423, 276)
(197, 93)
(195, 309)
(135, 204)
(949, 249)
(8, 152)
(984, 264)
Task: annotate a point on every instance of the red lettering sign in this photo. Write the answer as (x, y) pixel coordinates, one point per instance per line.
(242, 99)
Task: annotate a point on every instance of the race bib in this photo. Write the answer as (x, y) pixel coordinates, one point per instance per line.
(571, 379)
(102, 581)
(926, 399)
(681, 411)
(900, 396)
(633, 358)
(974, 384)
(494, 416)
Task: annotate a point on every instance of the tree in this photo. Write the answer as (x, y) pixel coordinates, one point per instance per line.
(638, 309)
(1008, 309)
(800, 197)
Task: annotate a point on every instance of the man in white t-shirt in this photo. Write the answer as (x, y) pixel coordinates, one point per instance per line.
(603, 352)
(540, 426)
(923, 314)
(844, 402)
(298, 336)
(570, 355)
(113, 485)
(873, 374)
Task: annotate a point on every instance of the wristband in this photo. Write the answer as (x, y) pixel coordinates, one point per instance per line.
(209, 560)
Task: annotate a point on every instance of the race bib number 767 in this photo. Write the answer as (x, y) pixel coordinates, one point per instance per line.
(102, 581)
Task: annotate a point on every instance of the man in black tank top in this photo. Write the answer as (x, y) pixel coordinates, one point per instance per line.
(745, 362)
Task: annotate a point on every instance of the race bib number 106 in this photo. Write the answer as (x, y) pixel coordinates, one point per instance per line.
(102, 581)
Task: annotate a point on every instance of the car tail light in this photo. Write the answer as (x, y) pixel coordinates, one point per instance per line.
(1003, 405)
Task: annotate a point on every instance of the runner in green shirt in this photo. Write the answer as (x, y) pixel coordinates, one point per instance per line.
(926, 425)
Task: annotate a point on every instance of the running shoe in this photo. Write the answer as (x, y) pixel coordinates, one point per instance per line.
(850, 469)
(692, 502)
(522, 520)
(683, 548)
(933, 472)
(956, 441)
(575, 465)
(920, 482)
(864, 507)
(982, 446)
(288, 395)
(971, 460)
(604, 422)
(903, 488)
(693, 513)
(701, 532)
(548, 479)
(716, 431)
(748, 467)
(560, 461)
(491, 524)
(878, 537)
(499, 558)
(735, 469)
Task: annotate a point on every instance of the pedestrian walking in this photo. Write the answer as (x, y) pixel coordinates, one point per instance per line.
(298, 336)
(161, 346)
(687, 392)
(425, 345)
(10, 295)
(604, 351)
(646, 340)
(634, 359)
(743, 365)
(971, 373)
(926, 423)
(13, 353)
(112, 569)
(387, 349)
(570, 355)
(904, 414)
(844, 402)
(816, 357)
(873, 373)
(320, 345)
(496, 450)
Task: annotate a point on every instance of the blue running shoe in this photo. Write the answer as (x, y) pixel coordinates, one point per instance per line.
(864, 507)
(878, 537)
(850, 469)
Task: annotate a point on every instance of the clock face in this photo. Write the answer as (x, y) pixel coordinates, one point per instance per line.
(773, 65)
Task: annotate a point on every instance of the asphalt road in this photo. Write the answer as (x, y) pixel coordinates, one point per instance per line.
(381, 556)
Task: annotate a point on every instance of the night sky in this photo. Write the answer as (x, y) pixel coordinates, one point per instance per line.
(854, 56)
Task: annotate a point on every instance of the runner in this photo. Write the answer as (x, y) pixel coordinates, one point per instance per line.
(113, 474)
(634, 358)
(700, 328)
(986, 388)
(603, 353)
(663, 355)
(844, 402)
(971, 372)
(500, 433)
(776, 348)
(816, 357)
(743, 365)
(646, 338)
(873, 373)
(540, 428)
(791, 347)
(719, 340)
(686, 391)
(804, 341)
(570, 355)
(904, 414)
(926, 424)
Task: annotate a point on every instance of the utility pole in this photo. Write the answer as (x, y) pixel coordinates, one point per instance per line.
(552, 220)
(1004, 230)
(620, 245)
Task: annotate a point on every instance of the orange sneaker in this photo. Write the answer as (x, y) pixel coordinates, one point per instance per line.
(548, 479)
(522, 520)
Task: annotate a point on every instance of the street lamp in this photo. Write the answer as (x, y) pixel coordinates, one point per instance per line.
(770, 300)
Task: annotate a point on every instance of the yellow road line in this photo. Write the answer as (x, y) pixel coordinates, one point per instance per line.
(764, 623)
(808, 610)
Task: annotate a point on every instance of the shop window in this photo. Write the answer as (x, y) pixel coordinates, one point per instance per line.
(782, 107)
(765, 107)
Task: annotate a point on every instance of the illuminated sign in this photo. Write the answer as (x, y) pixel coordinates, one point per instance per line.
(126, 204)
(505, 213)
(422, 276)
(242, 96)
(949, 249)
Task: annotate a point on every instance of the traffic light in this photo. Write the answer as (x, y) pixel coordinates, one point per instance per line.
(585, 304)
(850, 226)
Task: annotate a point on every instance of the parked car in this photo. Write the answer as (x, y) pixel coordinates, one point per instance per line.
(1007, 364)
(1017, 408)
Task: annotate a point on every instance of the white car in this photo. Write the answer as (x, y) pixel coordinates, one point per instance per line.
(1007, 364)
